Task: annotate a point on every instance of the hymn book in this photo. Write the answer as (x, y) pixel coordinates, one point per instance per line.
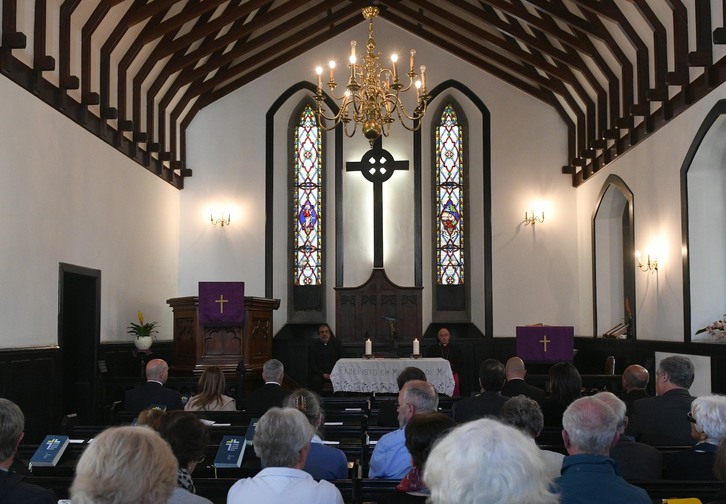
(49, 451)
(230, 452)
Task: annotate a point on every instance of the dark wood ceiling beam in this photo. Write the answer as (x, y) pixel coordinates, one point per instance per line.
(105, 60)
(470, 44)
(703, 55)
(152, 8)
(41, 60)
(175, 87)
(609, 10)
(719, 33)
(89, 27)
(659, 91)
(67, 81)
(680, 75)
(193, 10)
(12, 38)
(190, 59)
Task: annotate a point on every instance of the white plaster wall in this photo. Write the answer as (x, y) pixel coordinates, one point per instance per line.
(652, 171)
(535, 269)
(76, 200)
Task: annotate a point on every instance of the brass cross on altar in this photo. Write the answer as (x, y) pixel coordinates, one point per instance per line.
(221, 302)
(544, 342)
(377, 165)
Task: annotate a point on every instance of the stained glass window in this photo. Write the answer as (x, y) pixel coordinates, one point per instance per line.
(449, 190)
(307, 198)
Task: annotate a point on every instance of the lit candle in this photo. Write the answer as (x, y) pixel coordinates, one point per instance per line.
(413, 59)
(319, 71)
(416, 349)
(352, 49)
(369, 347)
(332, 70)
(423, 77)
(394, 59)
(418, 89)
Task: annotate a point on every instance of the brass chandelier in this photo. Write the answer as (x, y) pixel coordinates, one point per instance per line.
(371, 97)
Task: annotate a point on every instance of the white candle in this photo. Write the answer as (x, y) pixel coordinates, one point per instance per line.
(416, 349)
(369, 347)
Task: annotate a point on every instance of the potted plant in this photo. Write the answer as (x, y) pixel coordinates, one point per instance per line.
(144, 332)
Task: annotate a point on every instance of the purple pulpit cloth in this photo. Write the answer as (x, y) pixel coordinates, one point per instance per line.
(543, 343)
(221, 303)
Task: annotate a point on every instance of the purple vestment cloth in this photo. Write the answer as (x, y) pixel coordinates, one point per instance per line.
(221, 303)
(545, 343)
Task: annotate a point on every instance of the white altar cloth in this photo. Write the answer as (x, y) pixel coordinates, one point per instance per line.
(379, 375)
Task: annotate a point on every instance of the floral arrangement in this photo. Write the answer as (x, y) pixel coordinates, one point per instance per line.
(716, 329)
(141, 330)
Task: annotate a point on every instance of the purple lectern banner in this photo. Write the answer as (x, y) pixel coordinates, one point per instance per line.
(545, 343)
(221, 303)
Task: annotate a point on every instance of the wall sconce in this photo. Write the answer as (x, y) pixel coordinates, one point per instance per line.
(650, 265)
(220, 220)
(531, 218)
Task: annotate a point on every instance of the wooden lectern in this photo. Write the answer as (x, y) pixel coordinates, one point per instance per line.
(196, 346)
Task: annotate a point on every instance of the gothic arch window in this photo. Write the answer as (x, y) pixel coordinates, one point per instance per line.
(307, 216)
(450, 211)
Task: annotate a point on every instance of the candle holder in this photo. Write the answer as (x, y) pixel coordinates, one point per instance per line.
(368, 356)
(416, 356)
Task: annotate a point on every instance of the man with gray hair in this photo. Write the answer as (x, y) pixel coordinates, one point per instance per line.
(661, 420)
(390, 458)
(282, 441)
(637, 461)
(12, 488)
(588, 473)
(271, 393)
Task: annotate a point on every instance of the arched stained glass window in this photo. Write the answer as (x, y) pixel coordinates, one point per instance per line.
(307, 201)
(449, 196)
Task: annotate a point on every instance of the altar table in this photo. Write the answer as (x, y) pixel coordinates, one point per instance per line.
(379, 375)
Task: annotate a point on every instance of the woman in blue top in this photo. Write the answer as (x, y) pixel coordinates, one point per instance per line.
(323, 462)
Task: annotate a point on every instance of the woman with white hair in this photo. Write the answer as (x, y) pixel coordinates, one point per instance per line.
(487, 461)
(125, 465)
(708, 428)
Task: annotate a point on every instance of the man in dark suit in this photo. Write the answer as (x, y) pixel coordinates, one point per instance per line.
(662, 420)
(490, 401)
(271, 393)
(12, 488)
(324, 354)
(635, 379)
(637, 461)
(153, 393)
(516, 385)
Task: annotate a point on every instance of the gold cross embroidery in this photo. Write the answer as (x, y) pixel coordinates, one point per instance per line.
(221, 302)
(544, 342)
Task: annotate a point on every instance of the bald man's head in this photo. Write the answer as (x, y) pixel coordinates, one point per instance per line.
(515, 368)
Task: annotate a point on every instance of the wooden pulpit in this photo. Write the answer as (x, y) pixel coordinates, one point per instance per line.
(196, 347)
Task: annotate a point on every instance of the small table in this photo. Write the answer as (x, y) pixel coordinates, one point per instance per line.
(379, 375)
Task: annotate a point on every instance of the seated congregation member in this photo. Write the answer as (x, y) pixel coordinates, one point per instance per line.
(525, 414)
(485, 461)
(515, 384)
(187, 435)
(323, 462)
(153, 393)
(210, 393)
(150, 417)
(271, 393)
(421, 433)
(490, 400)
(12, 487)
(446, 350)
(390, 458)
(634, 380)
(662, 420)
(719, 470)
(708, 427)
(565, 387)
(637, 461)
(589, 475)
(324, 354)
(387, 411)
(282, 441)
(125, 465)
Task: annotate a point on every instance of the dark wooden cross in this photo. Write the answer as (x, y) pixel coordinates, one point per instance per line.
(377, 165)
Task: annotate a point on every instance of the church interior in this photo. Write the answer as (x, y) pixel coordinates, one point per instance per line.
(148, 146)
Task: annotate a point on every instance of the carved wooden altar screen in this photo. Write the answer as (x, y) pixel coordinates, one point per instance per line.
(196, 347)
(369, 310)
